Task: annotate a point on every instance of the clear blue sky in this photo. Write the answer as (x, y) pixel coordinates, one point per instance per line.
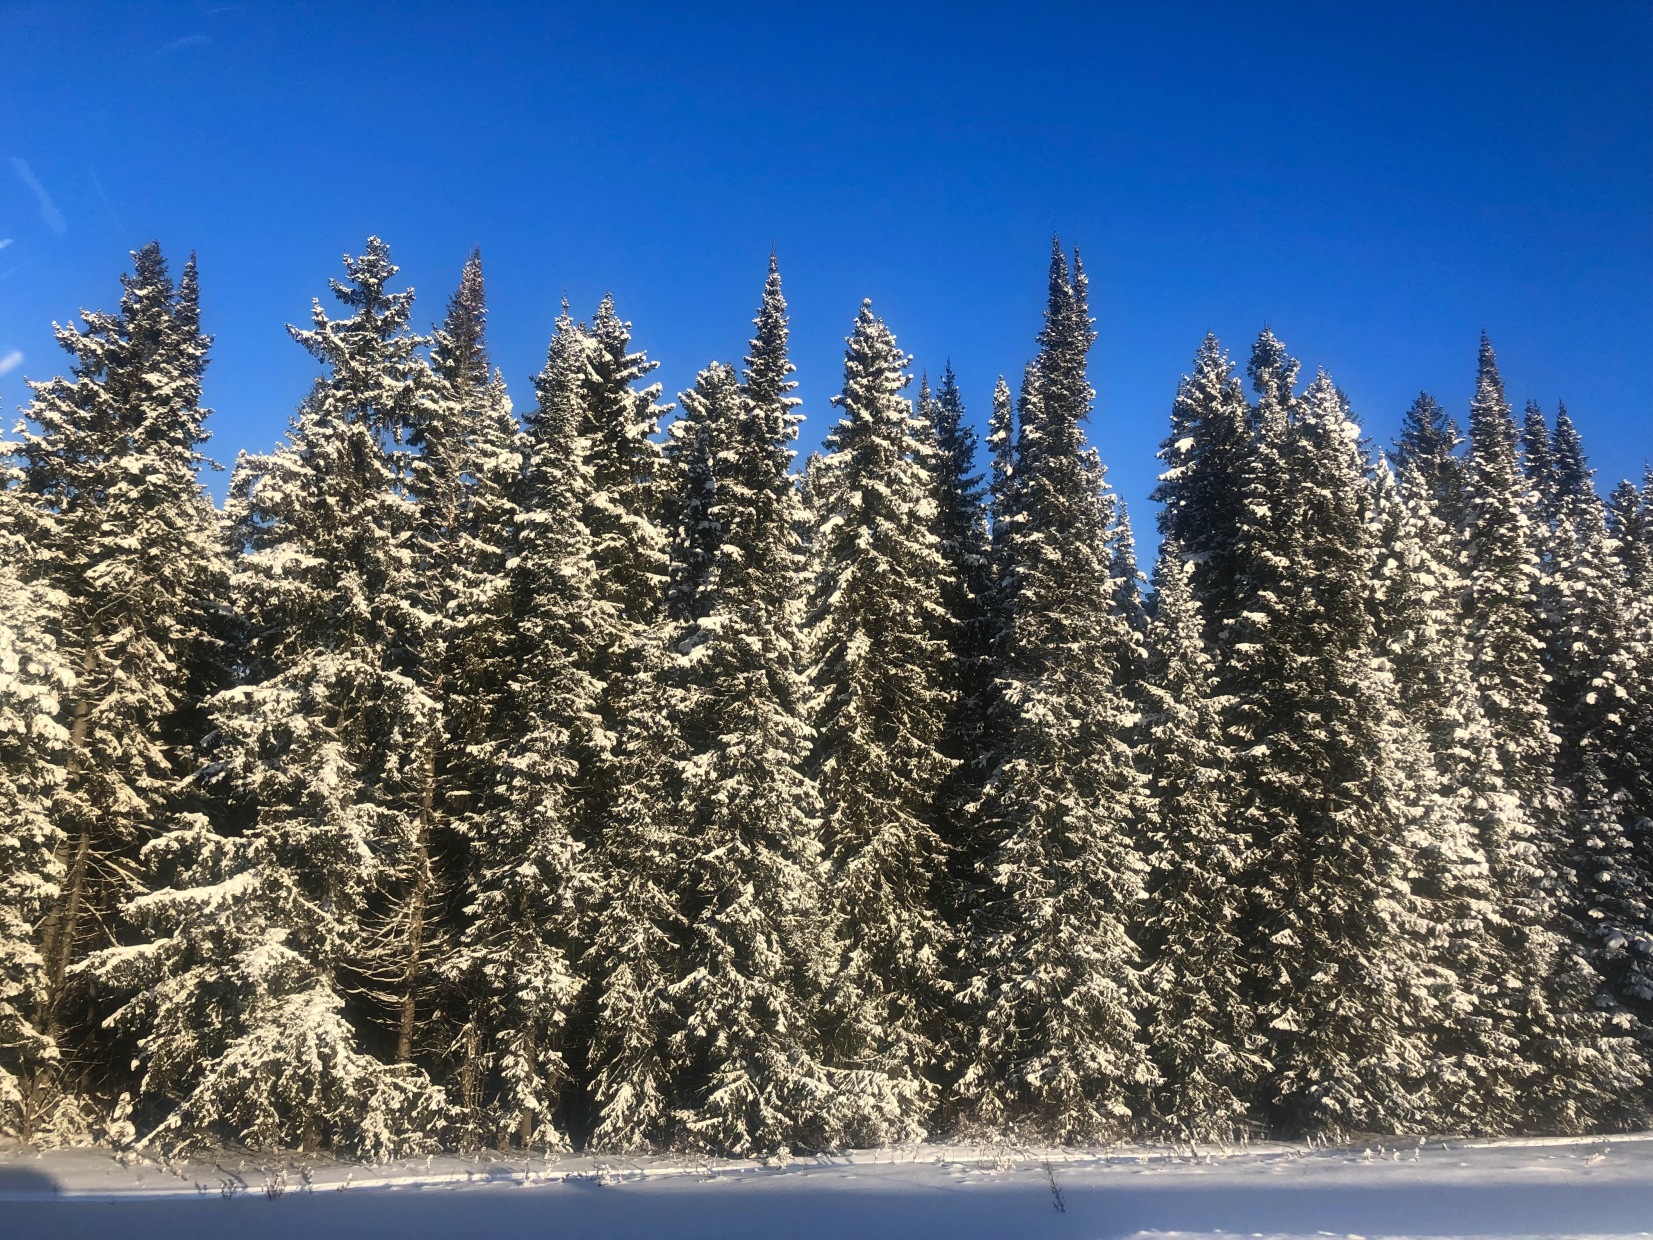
(1377, 182)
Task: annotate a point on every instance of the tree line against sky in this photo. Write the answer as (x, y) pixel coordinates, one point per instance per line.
(474, 781)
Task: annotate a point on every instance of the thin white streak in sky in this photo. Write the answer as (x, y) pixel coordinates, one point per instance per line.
(48, 209)
(11, 361)
(177, 45)
(108, 206)
(4, 242)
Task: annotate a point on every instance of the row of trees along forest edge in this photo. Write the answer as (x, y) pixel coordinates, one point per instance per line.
(475, 780)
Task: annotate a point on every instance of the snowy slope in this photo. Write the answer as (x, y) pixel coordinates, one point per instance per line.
(1502, 1188)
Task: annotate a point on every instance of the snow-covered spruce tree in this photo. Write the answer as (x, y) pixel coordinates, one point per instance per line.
(465, 478)
(632, 820)
(1001, 453)
(1630, 522)
(1601, 669)
(630, 546)
(255, 942)
(1055, 992)
(1538, 463)
(119, 528)
(750, 1069)
(1125, 580)
(539, 740)
(961, 516)
(883, 640)
(1202, 488)
(1455, 910)
(34, 681)
(1327, 774)
(707, 1028)
(460, 478)
(1575, 1073)
(687, 500)
(1198, 1024)
(1428, 443)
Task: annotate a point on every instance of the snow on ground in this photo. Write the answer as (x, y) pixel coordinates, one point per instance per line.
(1575, 1188)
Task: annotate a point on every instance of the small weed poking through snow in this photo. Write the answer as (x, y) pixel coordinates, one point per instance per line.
(1056, 1202)
(275, 1184)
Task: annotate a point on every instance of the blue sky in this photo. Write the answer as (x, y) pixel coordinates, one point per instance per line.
(1376, 182)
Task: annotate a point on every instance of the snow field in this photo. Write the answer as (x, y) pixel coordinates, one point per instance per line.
(1574, 1188)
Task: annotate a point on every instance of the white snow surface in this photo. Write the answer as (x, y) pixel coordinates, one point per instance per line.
(1517, 1188)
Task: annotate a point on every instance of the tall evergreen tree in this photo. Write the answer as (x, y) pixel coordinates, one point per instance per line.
(1428, 444)
(759, 955)
(118, 526)
(34, 681)
(529, 880)
(1056, 990)
(1327, 777)
(752, 1075)
(1538, 462)
(1202, 488)
(463, 478)
(629, 813)
(1198, 1025)
(255, 941)
(1630, 521)
(1601, 688)
(962, 525)
(1001, 448)
(1454, 907)
(1576, 1074)
(884, 639)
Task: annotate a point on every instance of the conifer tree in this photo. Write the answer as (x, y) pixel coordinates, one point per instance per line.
(756, 955)
(1538, 463)
(1630, 521)
(529, 880)
(738, 1059)
(33, 683)
(1001, 450)
(1574, 479)
(1575, 1074)
(1454, 910)
(1202, 488)
(238, 996)
(963, 529)
(1428, 444)
(120, 531)
(628, 811)
(463, 478)
(962, 516)
(1056, 990)
(1198, 1023)
(1327, 774)
(883, 636)
(1602, 693)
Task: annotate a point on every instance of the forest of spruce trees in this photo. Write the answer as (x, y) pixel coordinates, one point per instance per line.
(479, 781)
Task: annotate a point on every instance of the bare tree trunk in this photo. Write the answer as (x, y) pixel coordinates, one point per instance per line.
(470, 1077)
(416, 913)
(525, 1123)
(61, 927)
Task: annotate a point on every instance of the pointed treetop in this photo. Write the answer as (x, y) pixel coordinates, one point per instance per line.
(1489, 384)
(767, 365)
(1535, 447)
(462, 350)
(1427, 430)
(1273, 371)
(1574, 479)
